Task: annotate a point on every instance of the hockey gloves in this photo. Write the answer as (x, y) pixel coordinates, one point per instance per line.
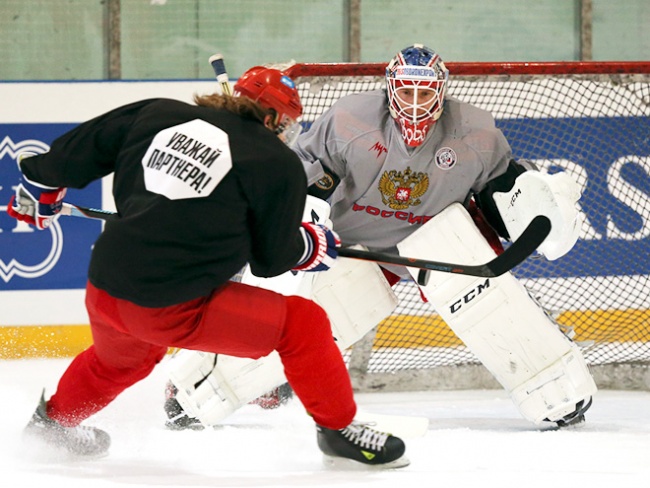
(36, 204)
(321, 243)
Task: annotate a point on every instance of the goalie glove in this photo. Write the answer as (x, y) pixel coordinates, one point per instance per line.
(34, 203)
(536, 193)
(321, 244)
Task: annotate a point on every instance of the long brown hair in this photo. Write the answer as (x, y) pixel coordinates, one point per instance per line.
(242, 106)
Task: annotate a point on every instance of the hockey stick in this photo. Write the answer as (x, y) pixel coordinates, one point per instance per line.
(87, 213)
(514, 255)
(219, 67)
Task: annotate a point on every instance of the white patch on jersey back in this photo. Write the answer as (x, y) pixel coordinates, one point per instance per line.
(187, 160)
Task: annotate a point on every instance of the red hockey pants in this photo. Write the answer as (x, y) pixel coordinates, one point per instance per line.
(236, 319)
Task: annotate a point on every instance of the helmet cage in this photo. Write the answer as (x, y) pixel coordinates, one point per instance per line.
(287, 129)
(416, 69)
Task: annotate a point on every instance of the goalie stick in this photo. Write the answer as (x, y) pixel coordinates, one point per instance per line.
(515, 254)
(538, 229)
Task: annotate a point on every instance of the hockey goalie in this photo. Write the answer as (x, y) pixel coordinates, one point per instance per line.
(409, 170)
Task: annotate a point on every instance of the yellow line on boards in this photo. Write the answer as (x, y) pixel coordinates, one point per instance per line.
(399, 331)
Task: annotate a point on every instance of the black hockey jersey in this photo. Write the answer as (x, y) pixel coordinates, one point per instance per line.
(199, 192)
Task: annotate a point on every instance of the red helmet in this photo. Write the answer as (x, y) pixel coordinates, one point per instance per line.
(272, 89)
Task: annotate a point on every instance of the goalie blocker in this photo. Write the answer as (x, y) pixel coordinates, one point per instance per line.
(543, 371)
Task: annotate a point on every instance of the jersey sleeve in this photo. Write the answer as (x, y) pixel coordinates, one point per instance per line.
(85, 153)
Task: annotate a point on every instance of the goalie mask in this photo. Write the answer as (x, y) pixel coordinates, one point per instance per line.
(274, 90)
(416, 83)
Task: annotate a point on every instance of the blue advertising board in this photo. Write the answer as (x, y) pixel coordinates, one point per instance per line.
(613, 156)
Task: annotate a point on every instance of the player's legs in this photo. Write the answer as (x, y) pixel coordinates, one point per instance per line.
(129, 340)
(245, 321)
(314, 366)
(115, 361)
(237, 320)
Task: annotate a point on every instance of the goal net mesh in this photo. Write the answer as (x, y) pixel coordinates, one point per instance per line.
(592, 120)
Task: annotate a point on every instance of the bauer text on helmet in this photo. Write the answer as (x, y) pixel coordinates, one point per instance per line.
(416, 83)
(275, 90)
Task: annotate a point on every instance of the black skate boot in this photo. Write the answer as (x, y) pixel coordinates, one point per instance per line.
(577, 416)
(358, 442)
(80, 440)
(177, 417)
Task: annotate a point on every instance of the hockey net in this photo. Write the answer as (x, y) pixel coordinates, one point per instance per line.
(590, 119)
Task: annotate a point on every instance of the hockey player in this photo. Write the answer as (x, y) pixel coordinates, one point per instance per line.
(395, 162)
(200, 190)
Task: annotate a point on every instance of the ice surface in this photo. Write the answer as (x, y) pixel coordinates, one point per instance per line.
(475, 439)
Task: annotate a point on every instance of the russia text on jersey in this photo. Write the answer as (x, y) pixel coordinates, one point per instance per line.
(387, 214)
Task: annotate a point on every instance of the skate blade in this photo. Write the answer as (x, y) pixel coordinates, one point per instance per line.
(345, 464)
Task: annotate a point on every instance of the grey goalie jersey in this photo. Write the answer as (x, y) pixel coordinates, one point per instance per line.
(387, 190)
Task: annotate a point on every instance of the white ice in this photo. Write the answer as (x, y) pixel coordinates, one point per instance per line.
(475, 439)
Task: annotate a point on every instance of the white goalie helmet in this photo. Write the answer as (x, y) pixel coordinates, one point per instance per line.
(416, 83)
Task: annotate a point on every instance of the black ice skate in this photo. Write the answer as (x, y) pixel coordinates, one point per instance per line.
(577, 416)
(80, 440)
(177, 417)
(358, 442)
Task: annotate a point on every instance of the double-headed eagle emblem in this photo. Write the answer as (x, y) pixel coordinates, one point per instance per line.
(403, 189)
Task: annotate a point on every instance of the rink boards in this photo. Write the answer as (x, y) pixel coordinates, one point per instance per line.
(42, 274)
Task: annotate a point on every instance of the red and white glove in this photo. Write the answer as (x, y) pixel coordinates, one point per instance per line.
(321, 244)
(36, 204)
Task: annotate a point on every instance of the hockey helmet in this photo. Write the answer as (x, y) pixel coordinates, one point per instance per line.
(272, 89)
(416, 84)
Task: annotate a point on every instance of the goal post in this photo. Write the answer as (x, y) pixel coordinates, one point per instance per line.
(591, 119)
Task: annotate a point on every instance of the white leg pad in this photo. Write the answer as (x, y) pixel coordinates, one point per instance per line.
(356, 296)
(542, 370)
(211, 393)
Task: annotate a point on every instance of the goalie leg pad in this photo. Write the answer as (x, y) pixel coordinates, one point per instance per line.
(212, 386)
(356, 296)
(541, 369)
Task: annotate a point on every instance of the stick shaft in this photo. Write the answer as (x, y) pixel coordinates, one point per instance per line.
(514, 255)
(522, 248)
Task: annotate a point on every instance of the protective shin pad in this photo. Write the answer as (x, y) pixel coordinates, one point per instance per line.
(543, 371)
(212, 386)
